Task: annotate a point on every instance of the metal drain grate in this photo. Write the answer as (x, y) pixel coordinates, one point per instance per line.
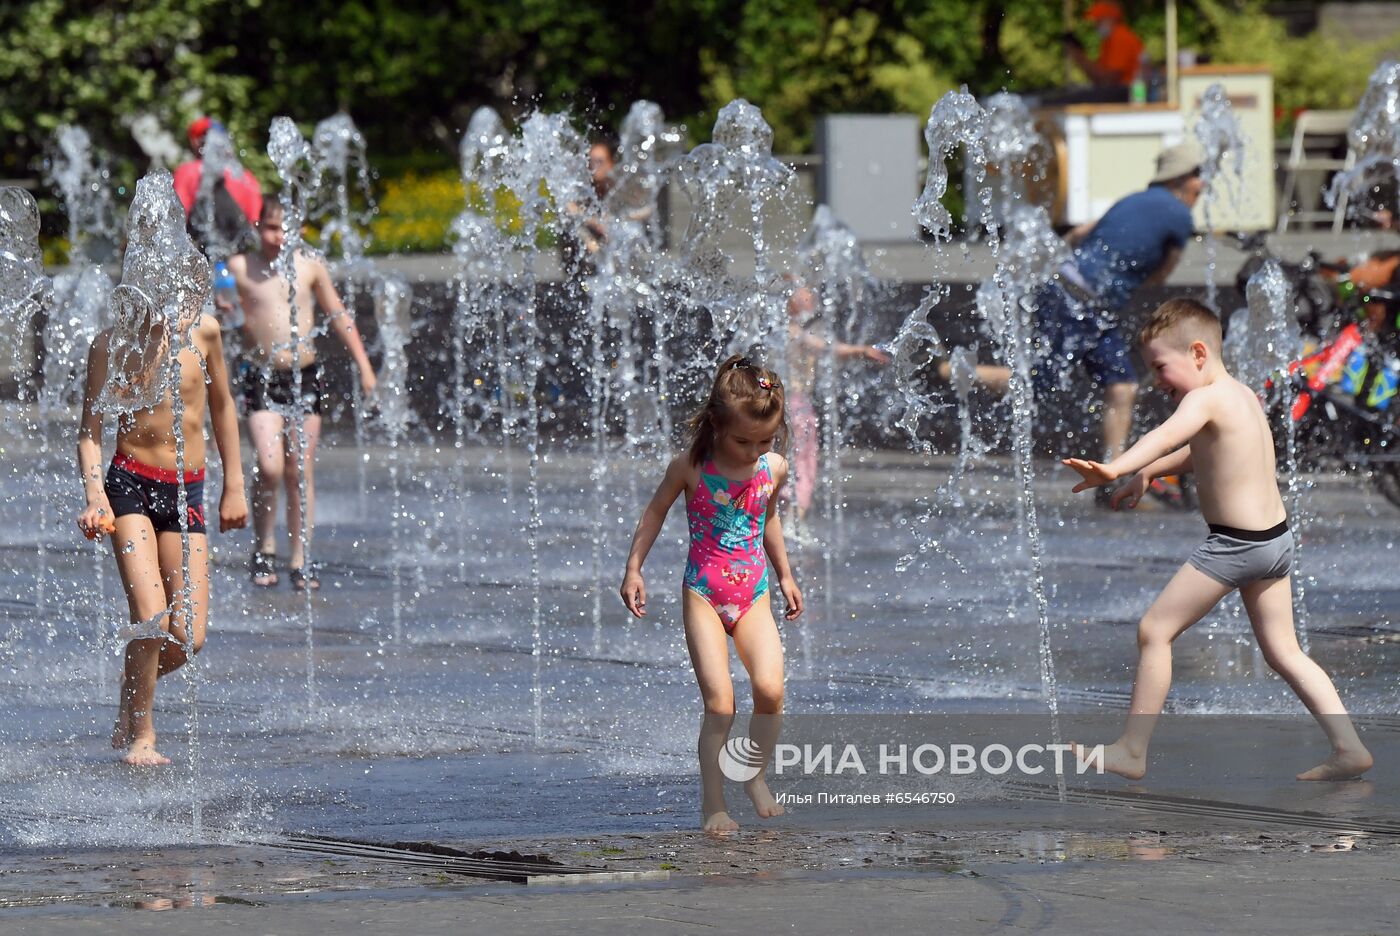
(512, 867)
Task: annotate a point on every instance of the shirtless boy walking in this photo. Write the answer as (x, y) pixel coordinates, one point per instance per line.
(268, 386)
(1220, 432)
(138, 505)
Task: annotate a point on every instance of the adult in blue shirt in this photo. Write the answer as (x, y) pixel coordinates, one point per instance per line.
(1137, 242)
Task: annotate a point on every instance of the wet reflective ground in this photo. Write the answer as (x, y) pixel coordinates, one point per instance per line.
(464, 730)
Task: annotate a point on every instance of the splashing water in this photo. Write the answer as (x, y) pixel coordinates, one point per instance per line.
(80, 293)
(483, 258)
(646, 149)
(957, 120)
(338, 152)
(24, 288)
(1264, 338)
(548, 172)
(219, 228)
(619, 292)
(165, 287)
(962, 365)
(738, 165)
(831, 260)
(83, 182)
(393, 304)
(1374, 138)
(300, 174)
(1017, 154)
(1004, 305)
(629, 270)
(79, 312)
(1219, 134)
(338, 149)
(465, 641)
(1263, 341)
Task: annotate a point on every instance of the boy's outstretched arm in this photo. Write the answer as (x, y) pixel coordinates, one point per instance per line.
(223, 418)
(633, 590)
(1190, 417)
(1133, 490)
(343, 324)
(1174, 463)
(774, 545)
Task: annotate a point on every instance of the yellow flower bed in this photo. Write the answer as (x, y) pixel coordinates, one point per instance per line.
(416, 212)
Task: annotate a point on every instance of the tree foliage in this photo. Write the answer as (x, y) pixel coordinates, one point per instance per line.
(100, 65)
(411, 73)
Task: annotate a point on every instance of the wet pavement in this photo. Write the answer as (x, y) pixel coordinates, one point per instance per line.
(445, 716)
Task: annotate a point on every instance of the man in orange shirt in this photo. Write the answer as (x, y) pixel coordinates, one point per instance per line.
(1120, 49)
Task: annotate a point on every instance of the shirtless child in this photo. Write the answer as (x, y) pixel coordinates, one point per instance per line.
(269, 386)
(1220, 432)
(138, 504)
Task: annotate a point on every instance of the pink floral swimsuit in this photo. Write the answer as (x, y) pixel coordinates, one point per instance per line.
(727, 565)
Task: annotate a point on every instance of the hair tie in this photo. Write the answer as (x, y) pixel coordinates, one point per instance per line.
(765, 383)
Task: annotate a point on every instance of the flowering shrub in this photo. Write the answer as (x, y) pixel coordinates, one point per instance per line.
(416, 211)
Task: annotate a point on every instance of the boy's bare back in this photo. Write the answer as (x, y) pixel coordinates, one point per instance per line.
(1233, 457)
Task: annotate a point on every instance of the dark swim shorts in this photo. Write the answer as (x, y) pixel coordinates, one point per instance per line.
(137, 488)
(266, 389)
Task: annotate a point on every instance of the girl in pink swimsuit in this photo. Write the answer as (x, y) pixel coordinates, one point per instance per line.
(728, 477)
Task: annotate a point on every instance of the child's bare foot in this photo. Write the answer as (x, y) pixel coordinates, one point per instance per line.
(1116, 759)
(763, 802)
(720, 822)
(143, 753)
(1342, 765)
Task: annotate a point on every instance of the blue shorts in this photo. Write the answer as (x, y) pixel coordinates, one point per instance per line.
(1069, 332)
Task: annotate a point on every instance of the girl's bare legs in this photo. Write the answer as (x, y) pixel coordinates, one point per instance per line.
(312, 425)
(761, 651)
(1270, 608)
(1188, 597)
(709, 655)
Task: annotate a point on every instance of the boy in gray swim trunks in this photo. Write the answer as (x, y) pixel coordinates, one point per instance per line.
(1220, 432)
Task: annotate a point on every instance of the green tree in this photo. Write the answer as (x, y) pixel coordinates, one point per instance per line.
(101, 64)
(1313, 71)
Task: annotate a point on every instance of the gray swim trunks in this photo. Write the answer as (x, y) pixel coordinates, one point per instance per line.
(1237, 557)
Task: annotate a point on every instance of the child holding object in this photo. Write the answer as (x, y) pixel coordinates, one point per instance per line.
(729, 476)
(1220, 432)
(156, 369)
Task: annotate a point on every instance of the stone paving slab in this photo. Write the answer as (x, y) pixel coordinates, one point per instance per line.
(1344, 893)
